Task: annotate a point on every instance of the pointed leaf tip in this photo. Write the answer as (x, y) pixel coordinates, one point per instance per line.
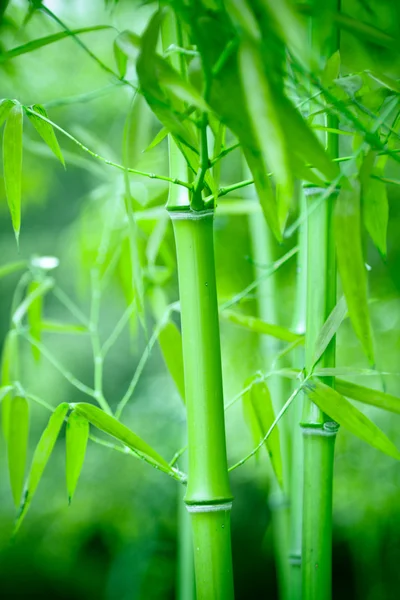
(45, 130)
(12, 164)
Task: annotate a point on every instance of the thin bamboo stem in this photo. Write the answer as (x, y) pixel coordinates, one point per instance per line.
(319, 431)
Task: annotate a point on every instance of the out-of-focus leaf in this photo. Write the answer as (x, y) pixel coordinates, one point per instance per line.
(76, 441)
(386, 81)
(375, 210)
(37, 292)
(290, 28)
(329, 329)
(367, 395)
(260, 414)
(17, 444)
(12, 267)
(34, 314)
(45, 130)
(45, 41)
(110, 425)
(58, 327)
(41, 457)
(12, 164)
(5, 107)
(331, 70)
(9, 361)
(340, 410)
(259, 326)
(170, 341)
(351, 264)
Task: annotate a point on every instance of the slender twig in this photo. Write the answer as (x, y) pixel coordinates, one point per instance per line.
(111, 163)
(110, 341)
(276, 421)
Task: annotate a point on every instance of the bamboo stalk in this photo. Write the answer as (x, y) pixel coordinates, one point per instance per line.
(319, 432)
(296, 482)
(264, 252)
(208, 497)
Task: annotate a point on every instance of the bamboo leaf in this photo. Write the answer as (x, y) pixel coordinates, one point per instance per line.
(5, 107)
(264, 117)
(351, 264)
(375, 213)
(76, 441)
(259, 326)
(17, 445)
(386, 81)
(368, 396)
(12, 164)
(170, 341)
(261, 416)
(8, 371)
(45, 130)
(45, 41)
(57, 327)
(34, 314)
(110, 425)
(12, 267)
(161, 135)
(329, 329)
(331, 70)
(37, 292)
(41, 457)
(339, 409)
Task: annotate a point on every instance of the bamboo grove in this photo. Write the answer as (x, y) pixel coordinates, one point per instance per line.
(266, 81)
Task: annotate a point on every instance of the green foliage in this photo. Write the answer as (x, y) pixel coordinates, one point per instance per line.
(351, 264)
(259, 414)
(344, 413)
(12, 164)
(17, 444)
(77, 434)
(41, 457)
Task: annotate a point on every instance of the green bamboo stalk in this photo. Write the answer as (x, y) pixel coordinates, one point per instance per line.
(208, 497)
(319, 432)
(179, 197)
(264, 249)
(296, 482)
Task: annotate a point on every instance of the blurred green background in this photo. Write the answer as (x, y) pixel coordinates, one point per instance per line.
(118, 539)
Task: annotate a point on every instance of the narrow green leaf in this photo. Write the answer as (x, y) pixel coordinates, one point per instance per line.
(9, 361)
(351, 264)
(386, 81)
(170, 341)
(12, 267)
(35, 293)
(110, 425)
(264, 118)
(5, 107)
(34, 314)
(57, 327)
(261, 418)
(17, 445)
(329, 329)
(161, 135)
(331, 70)
(375, 212)
(290, 27)
(12, 164)
(41, 456)
(303, 142)
(368, 396)
(259, 326)
(45, 41)
(339, 409)
(121, 58)
(76, 441)
(45, 130)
